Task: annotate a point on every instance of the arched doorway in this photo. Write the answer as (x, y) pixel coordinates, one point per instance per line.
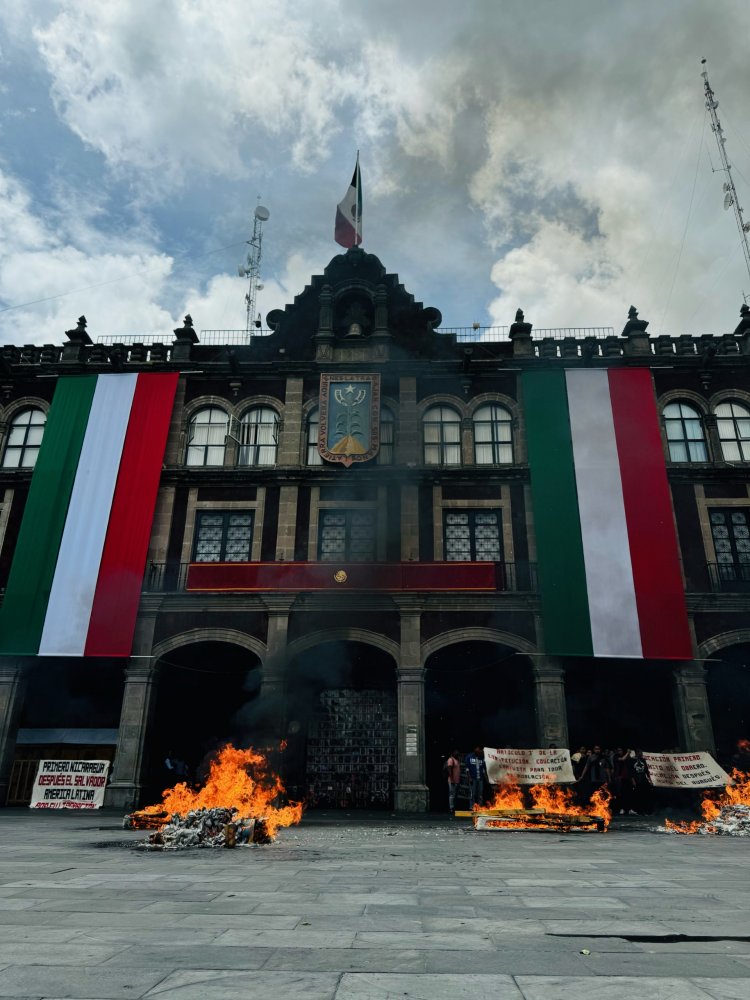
(342, 726)
(477, 694)
(620, 703)
(207, 695)
(728, 684)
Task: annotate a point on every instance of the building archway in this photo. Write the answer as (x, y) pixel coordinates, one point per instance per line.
(341, 725)
(477, 693)
(728, 686)
(207, 695)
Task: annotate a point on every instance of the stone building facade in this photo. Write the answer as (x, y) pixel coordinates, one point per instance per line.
(371, 680)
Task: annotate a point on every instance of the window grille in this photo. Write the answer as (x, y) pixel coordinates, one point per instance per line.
(472, 536)
(387, 437)
(347, 535)
(223, 536)
(730, 529)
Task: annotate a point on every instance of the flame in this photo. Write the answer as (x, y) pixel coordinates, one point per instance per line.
(547, 799)
(735, 794)
(239, 779)
(743, 745)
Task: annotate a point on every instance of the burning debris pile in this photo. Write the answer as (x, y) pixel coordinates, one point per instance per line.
(551, 807)
(238, 804)
(207, 828)
(726, 813)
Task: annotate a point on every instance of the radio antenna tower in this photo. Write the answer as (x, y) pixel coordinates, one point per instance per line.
(730, 191)
(251, 269)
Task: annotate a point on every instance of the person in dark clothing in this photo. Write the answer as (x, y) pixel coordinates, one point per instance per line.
(642, 785)
(596, 773)
(477, 775)
(622, 785)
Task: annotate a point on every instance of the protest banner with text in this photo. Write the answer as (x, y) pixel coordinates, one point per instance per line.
(528, 767)
(70, 784)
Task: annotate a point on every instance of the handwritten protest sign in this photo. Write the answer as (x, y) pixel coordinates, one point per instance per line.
(685, 770)
(69, 784)
(528, 767)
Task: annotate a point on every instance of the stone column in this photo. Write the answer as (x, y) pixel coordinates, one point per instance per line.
(273, 673)
(290, 441)
(692, 710)
(409, 522)
(411, 790)
(13, 679)
(138, 702)
(549, 702)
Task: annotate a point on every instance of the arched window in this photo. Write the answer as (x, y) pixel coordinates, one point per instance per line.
(24, 438)
(493, 435)
(207, 437)
(259, 437)
(442, 436)
(313, 455)
(733, 423)
(685, 437)
(387, 437)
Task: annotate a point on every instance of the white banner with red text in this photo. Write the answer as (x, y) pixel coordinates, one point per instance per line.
(70, 784)
(528, 767)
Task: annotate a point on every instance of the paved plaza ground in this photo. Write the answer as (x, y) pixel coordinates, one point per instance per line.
(362, 908)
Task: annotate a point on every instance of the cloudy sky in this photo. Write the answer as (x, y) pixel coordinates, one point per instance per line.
(552, 154)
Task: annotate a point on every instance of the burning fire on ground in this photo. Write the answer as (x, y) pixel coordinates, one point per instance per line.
(549, 807)
(726, 812)
(237, 804)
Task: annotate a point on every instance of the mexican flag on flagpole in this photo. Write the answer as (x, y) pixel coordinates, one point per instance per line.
(75, 581)
(348, 231)
(609, 566)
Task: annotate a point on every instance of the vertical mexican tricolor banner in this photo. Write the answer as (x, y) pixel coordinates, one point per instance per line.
(609, 567)
(75, 582)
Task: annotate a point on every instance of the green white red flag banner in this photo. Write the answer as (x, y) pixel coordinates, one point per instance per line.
(348, 228)
(75, 581)
(608, 562)
(527, 767)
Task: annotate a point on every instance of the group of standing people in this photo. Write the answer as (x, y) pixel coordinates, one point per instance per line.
(624, 772)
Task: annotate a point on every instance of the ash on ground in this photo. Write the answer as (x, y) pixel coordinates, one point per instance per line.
(207, 828)
(732, 821)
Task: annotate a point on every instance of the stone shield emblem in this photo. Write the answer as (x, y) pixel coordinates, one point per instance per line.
(349, 428)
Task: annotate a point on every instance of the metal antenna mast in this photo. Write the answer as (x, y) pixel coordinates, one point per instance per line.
(730, 191)
(251, 269)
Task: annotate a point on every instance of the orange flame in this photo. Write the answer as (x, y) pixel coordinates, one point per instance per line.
(547, 798)
(239, 779)
(736, 794)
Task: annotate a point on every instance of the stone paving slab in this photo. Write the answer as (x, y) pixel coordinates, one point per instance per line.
(383, 908)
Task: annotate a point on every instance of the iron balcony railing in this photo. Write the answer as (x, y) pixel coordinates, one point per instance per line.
(170, 578)
(729, 577)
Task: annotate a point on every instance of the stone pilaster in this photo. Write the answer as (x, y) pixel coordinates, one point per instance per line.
(411, 790)
(287, 526)
(408, 439)
(549, 702)
(138, 702)
(409, 522)
(290, 438)
(13, 678)
(692, 710)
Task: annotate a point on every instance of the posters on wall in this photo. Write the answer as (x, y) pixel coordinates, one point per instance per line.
(70, 784)
(668, 770)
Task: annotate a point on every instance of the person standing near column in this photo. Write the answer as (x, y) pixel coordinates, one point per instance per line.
(477, 774)
(453, 772)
